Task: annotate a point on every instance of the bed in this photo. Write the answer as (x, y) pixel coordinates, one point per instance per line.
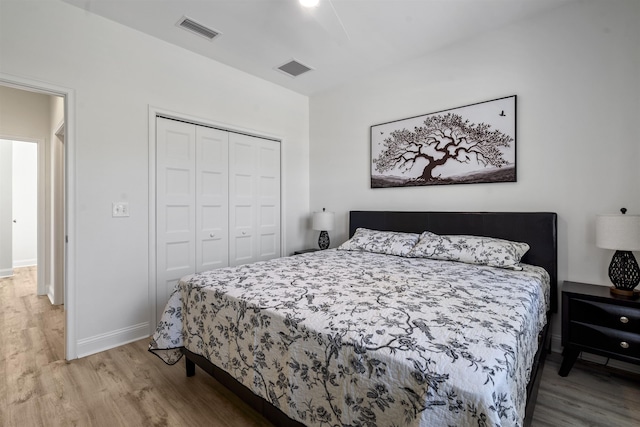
(359, 336)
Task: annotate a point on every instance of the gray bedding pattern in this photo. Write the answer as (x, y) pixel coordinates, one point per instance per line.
(348, 338)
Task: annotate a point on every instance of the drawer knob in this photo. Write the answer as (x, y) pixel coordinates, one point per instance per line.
(624, 344)
(624, 319)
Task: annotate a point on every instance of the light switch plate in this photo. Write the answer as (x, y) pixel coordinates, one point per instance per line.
(120, 209)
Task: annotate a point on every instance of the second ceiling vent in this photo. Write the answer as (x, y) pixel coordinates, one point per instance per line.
(197, 28)
(294, 68)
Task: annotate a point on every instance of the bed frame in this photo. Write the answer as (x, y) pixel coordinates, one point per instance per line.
(538, 229)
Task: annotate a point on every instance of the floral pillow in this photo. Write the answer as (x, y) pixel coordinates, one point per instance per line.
(382, 242)
(471, 250)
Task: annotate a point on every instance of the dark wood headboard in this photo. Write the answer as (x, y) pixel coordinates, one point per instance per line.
(538, 229)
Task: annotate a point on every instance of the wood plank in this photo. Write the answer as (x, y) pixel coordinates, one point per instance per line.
(121, 387)
(589, 396)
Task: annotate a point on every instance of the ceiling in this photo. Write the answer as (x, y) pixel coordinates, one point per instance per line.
(340, 40)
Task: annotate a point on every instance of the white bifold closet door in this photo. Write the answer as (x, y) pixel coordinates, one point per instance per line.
(217, 201)
(254, 199)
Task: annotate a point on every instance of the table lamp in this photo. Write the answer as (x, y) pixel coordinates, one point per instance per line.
(621, 233)
(323, 222)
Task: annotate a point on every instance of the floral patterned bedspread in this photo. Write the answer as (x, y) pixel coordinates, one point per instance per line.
(343, 338)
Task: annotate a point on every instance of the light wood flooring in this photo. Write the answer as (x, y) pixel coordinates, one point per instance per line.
(128, 386)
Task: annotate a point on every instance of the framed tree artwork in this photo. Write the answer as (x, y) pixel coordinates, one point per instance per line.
(471, 144)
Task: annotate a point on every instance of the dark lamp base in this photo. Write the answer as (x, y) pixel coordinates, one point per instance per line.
(624, 271)
(624, 293)
(323, 240)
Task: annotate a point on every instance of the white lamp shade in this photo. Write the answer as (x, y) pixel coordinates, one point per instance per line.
(323, 221)
(618, 232)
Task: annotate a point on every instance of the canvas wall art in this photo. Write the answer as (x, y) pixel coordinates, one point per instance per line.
(471, 144)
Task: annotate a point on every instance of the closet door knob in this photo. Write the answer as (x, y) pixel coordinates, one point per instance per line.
(244, 233)
(212, 235)
(624, 344)
(624, 319)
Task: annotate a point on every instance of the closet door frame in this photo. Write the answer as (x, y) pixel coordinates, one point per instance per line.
(155, 112)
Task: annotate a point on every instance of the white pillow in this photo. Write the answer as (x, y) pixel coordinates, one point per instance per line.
(471, 250)
(381, 242)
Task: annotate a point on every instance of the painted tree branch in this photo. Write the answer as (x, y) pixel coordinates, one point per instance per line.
(443, 138)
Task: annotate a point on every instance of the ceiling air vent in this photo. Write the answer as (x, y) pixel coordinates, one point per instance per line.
(294, 68)
(197, 28)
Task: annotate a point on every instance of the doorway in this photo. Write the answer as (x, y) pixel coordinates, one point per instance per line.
(50, 129)
(25, 204)
(20, 204)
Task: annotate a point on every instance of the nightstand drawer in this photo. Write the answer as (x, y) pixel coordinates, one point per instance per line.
(604, 339)
(608, 315)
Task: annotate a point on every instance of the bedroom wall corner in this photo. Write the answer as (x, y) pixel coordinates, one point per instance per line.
(559, 66)
(574, 71)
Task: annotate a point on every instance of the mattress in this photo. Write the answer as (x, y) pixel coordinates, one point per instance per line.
(364, 339)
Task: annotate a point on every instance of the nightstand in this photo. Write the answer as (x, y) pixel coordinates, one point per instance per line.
(304, 251)
(596, 322)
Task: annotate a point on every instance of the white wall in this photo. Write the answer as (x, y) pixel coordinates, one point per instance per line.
(25, 204)
(6, 208)
(116, 74)
(576, 73)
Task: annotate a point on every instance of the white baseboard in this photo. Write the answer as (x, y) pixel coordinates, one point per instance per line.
(25, 263)
(109, 340)
(556, 347)
(6, 272)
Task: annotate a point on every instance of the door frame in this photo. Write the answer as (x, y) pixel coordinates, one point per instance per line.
(58, 222)
(153, 113)
(68, 95)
